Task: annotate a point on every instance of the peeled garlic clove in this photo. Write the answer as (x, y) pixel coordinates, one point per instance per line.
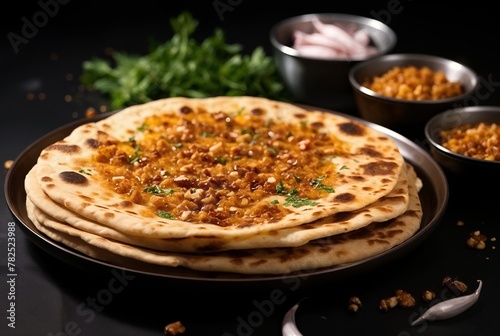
(450, 308)
(289, 326)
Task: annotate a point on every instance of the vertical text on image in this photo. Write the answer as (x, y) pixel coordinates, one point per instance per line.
(11, 274)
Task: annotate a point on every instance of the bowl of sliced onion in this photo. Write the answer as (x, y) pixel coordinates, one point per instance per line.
(314, 53)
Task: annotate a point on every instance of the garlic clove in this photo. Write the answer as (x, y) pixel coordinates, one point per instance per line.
(289, 326)
(450, 308)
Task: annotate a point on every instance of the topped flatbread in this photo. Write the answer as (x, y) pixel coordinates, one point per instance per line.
(330, 251)
(217, 167)
(387, 207)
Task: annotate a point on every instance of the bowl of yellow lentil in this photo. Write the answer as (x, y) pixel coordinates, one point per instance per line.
(466, 143)
(406, 90)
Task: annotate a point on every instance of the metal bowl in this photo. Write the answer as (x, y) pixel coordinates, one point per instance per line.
(472, 171)
(319, 81)
(397, 113)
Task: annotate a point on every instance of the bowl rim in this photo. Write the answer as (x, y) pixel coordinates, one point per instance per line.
(409, 57)
(467, 110)
(374, 23)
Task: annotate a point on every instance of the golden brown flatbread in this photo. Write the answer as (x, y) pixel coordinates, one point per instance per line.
(222, 167)
(387, 207)
(225, 184)
(330, 251)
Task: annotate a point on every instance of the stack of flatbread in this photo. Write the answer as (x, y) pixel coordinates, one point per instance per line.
(225, 184)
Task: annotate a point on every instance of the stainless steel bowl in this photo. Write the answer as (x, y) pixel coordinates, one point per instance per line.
(478, 172)
(399, 113)
(318, 81)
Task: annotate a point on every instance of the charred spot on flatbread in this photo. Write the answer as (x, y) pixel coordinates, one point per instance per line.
(379, 168)
(351, 128)
(372, 152)
(345, 198)
(73, 178)
(92, 143)
(257, 111)
(64, 148)
(185, 110)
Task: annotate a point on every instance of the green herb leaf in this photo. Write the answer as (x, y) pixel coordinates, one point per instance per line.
(293, 198)
(157, 190)
(280, 188)
(143, 127)
(85, 171)
(183, 67)
(318, 184)
(165, 214)
(135, 157)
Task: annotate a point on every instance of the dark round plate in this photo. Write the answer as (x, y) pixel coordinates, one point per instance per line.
(433, 195)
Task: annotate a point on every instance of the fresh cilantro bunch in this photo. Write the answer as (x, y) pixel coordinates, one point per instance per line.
(183, 67)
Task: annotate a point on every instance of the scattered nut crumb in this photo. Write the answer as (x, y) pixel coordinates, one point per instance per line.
(68, 98)
(428, 295)
(388, 303)
(477, 240)
(90, 112)
(41, 96)
(456, 286)
(354, 304)
(460, 223)
(493, 239)
(460, 286)
(30, 96)
(7, 164)
(174, 328)
(405, 299)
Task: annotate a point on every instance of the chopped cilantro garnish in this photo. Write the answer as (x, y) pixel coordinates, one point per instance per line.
(246, 131)
(272, 150)
(222, 160)
(135, 157)
(254, 138)
(318, 184)
(280, 188)
(298, 202)
(293, 198)
(157, 190)
(165, 214)
(143, 127)
(85, 171)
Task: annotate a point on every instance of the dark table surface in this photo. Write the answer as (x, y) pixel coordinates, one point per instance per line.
(51, 296)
